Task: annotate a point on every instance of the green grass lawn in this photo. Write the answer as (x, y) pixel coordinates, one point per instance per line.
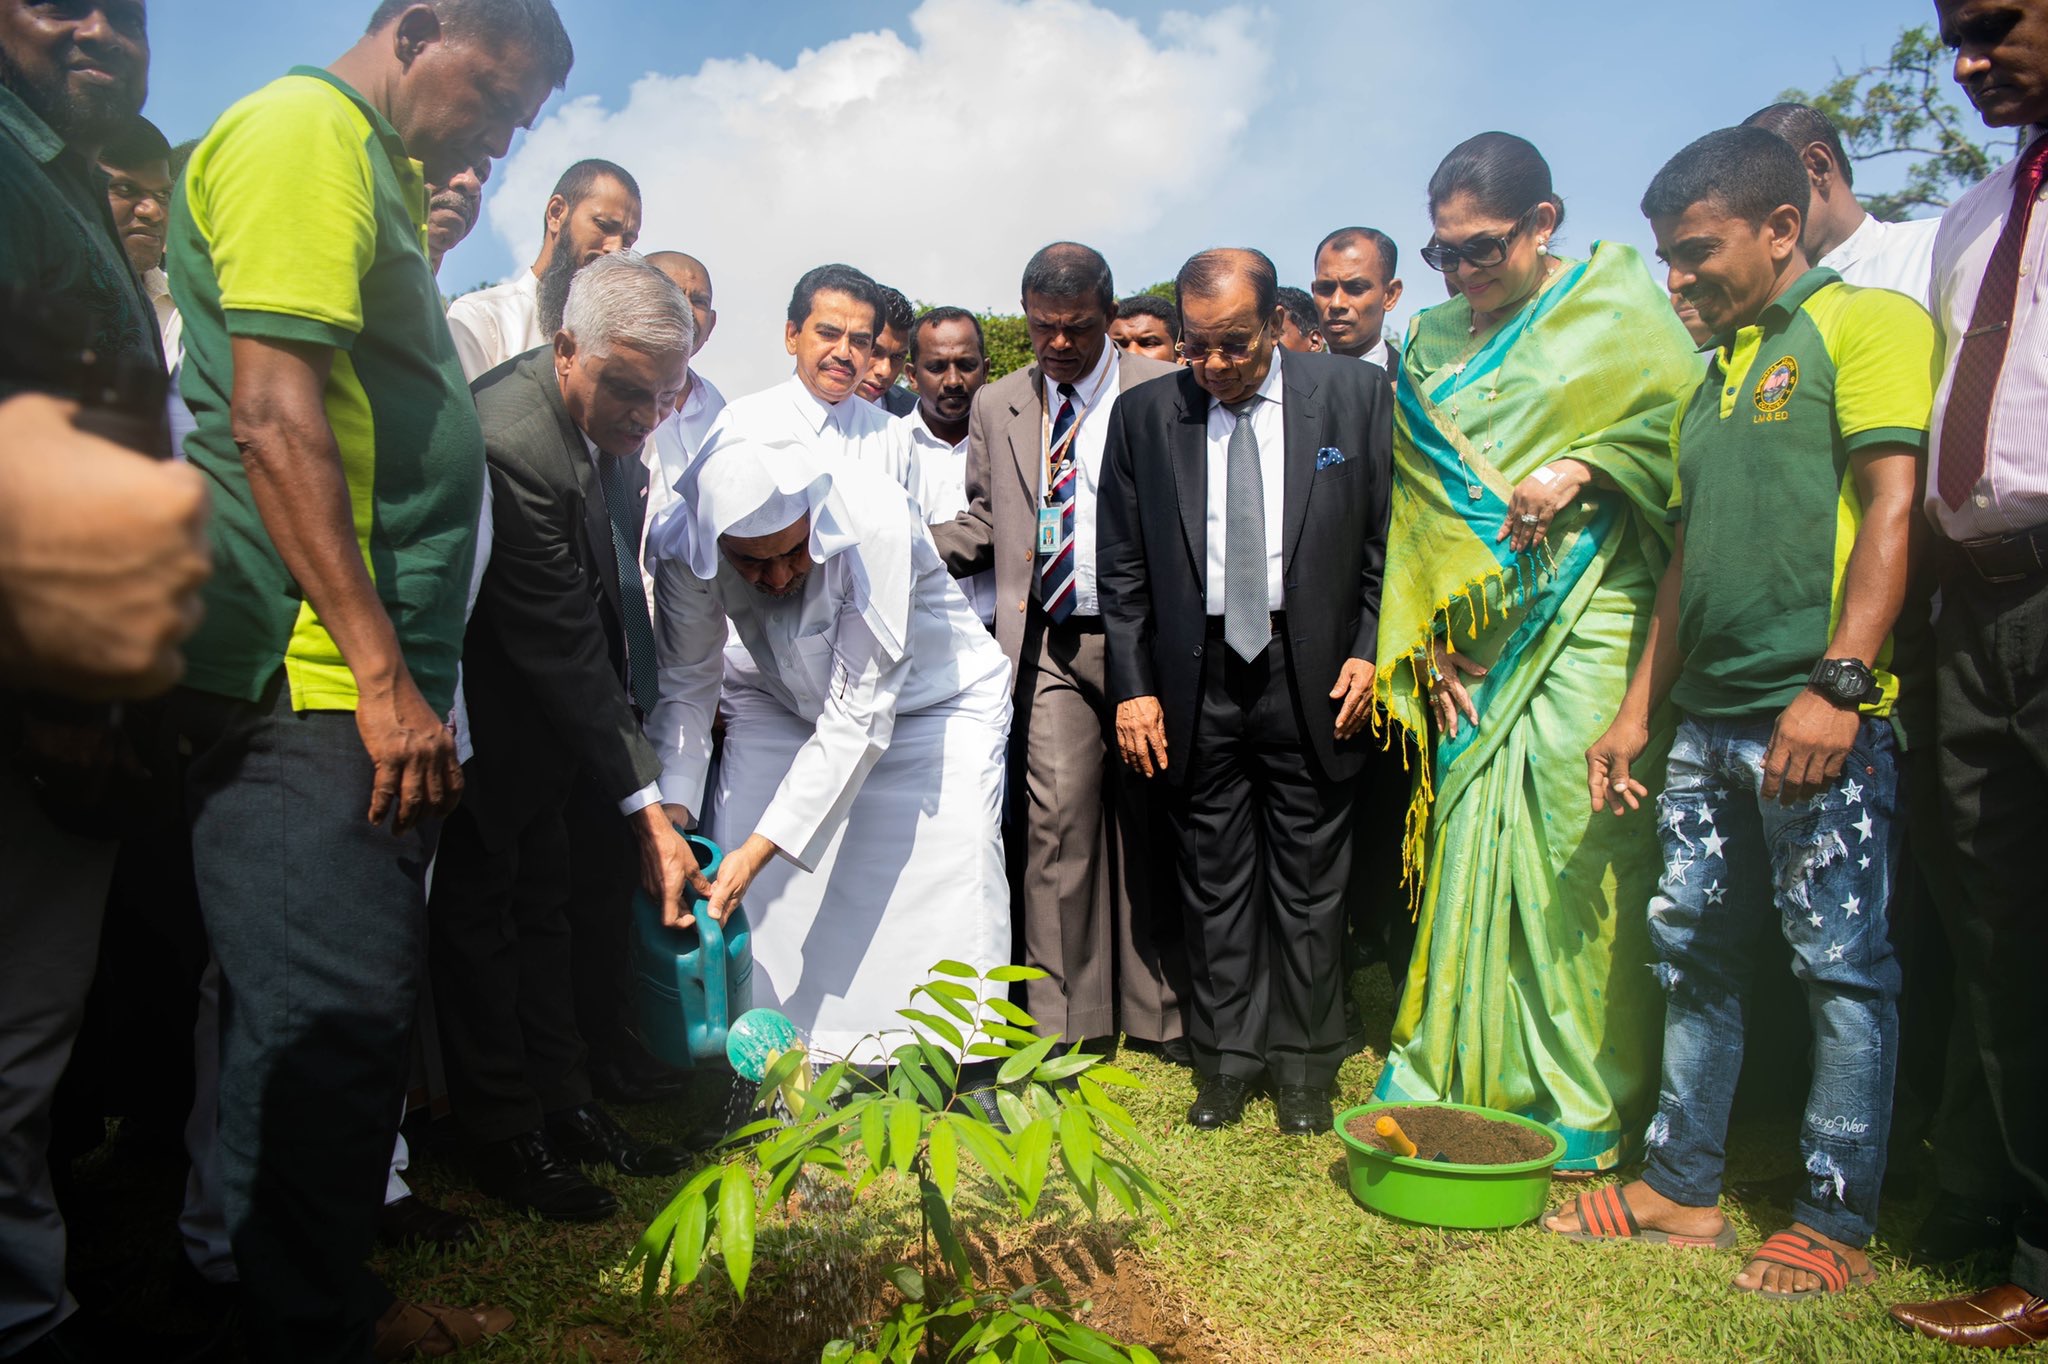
(1269, 1260)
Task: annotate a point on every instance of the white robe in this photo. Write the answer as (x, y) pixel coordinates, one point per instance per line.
(489, 326)
(852, 428)
(878, 772)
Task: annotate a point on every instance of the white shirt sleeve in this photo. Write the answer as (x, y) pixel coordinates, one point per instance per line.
(469, 350)
(851, 735)
(689, 630)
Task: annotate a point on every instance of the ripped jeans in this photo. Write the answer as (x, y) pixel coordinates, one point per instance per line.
(1822, 869)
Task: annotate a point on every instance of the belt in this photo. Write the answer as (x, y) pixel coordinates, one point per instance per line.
(2001, 559)
(1277, 620)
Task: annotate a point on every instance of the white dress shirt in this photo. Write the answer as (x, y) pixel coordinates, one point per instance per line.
(666, 460)
(170, 326)
(2013, 493)
(1378, 355)
(944, 466)
(1094, 396)
(852, 428)
(1880, 255)
(1270, 429)
(820, 660)
(492, 325)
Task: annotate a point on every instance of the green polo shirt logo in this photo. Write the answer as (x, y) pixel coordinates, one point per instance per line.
(301, 219)
(1766, 490)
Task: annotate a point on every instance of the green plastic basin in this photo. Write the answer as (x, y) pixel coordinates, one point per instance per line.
(1437, 1194)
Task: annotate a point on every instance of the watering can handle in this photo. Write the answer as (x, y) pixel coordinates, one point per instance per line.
(711, 936)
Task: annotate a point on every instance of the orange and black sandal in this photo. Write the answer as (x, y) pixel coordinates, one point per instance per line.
(1604, 1215)
(1797, 1250)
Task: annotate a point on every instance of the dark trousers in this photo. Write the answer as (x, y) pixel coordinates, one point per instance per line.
(1265, 857)
(600, 848)
(317, 919)
(503, 958)
(1991, 697)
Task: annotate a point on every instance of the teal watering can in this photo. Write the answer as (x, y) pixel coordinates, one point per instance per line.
(690, 983)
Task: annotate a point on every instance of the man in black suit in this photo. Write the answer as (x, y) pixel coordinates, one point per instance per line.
(1241, 540)
(559, 670)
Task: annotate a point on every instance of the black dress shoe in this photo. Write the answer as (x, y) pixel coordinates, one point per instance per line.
(637, 1080)
(1958, 1228)
(1219, 1103)
(412, 1221)
(1178, 1052)
(1302, 1110)
(527, 1172)
(592, 1136)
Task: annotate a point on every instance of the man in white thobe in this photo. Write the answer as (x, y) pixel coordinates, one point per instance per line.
(860, 788)
(697, 410)
(833, 317)
(594, 211)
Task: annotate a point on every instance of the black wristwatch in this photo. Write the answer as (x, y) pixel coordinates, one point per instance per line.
(1844, 681)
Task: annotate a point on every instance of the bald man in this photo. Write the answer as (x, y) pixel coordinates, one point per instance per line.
(701, 401)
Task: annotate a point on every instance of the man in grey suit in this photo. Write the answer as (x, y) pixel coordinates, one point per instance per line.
(1084, 906)
(559, 670)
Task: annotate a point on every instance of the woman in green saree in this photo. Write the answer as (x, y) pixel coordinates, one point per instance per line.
(1532, 468)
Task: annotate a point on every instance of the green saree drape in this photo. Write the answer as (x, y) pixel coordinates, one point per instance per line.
(1530, 988)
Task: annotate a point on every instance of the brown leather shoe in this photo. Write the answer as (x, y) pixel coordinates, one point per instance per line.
(2007, 1317)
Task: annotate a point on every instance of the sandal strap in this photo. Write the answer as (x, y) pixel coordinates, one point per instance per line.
(427, 1329)
(1604, 1213)
(1794, 1250)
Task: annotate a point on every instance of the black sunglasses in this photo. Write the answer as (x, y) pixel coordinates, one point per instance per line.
(1481, 252)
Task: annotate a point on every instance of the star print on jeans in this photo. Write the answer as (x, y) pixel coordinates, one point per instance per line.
(1863, 827)
(1852, 793)
(1852, 906)
(1715, 895)
(1712, 843)
(1815, 920)
(1677, 870)
(1835, 951)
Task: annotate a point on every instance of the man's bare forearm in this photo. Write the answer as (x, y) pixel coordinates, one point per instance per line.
(1874, 581)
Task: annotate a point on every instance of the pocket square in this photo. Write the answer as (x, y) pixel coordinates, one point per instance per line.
(1328, 456)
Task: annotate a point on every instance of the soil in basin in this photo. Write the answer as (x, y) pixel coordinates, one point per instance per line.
(1460, 1138)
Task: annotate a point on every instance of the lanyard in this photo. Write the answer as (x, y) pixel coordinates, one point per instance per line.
(1056, 456)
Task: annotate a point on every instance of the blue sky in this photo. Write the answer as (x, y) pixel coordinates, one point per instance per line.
(937, 158)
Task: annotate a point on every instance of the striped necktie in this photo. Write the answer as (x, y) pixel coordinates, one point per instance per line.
(623, 507)
(1966, 421)
(1056, 589)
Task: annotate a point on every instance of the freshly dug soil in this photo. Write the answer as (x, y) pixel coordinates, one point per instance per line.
(1460, 1138)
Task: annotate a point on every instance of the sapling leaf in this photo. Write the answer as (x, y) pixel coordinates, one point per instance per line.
(984, 1145)
(906, 1126)
(940, 1219)
(736, 1227)
(1104, 1074)
(908, 1282)
(1107, 1175)
(874, 1137)
(1024, 1062)
(1012, 1108)
(1140, 1355)
(1030, 1350)
(943, 1154)
(949, 989)
(1034, 1160)
(959, 969)
(1009, 1012)
(1084, 1346)
(940, 1063)
(691, 1235)
(1023, 1037)
(940, 1027)
(953, 1006)
(1064, 1067)
(994, 1051)
(1077, 1146)
(1011, 975)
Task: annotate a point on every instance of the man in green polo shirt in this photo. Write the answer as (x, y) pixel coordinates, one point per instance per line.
(1797, 469)
(346, 467)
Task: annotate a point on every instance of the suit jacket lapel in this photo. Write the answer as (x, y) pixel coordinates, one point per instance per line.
(597, 525)
(1190, 458)
(1302, 420)
(1027, 437)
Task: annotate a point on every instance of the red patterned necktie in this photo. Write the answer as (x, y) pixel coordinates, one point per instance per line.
(1966, 423)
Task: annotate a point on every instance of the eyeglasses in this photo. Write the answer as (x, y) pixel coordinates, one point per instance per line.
(1232, 352)
(1481, 252)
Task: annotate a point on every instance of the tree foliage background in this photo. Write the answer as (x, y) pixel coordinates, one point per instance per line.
(1902, 106)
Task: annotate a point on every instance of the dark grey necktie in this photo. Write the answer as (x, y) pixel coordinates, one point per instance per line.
(623, 506)
(1247, 610)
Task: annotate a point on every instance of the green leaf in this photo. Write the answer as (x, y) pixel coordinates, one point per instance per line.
(923, 1084)
(940, 1027)
(906, 1126)
(1140, 1355)
(1104, 1074)
(692, 1233)
(1107, 1174)
(1034, 1160)
(736, 1227)
(940, 1219)
(941, 1065)
(1020, 1036)
(874, 1137)
(1021, 1065)
(1012, 1108)
(949, 989)
(1084, 1346)
(1010, 975)
(995, 1051)
(1009, 1012)
(785, 1066)
(954, 1006)
(908, 1282)
(984, 1145)
(1064, 1067)
(958, 969)
(943, 1153)
(1030, 1350)
(1077, 1145)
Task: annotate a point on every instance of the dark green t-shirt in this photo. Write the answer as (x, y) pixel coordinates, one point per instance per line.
(1766, 493)
(57, 238)
(301, 218)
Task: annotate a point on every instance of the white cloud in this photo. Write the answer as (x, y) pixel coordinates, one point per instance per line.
(938, 165)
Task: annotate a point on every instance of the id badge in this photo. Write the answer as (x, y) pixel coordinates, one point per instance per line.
(1049, 530)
